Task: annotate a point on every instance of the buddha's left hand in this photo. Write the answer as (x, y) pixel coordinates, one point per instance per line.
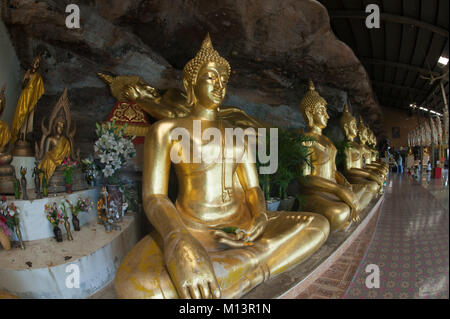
(240, 239)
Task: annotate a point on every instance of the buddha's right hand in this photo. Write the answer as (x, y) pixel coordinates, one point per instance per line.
(190, 267)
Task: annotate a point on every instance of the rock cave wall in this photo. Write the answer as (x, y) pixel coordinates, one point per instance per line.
(272, 50)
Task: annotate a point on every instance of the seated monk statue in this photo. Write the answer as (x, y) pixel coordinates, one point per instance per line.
(7, 171)
(326, 191)
(190, 254)
(354, 170)
(57, 149)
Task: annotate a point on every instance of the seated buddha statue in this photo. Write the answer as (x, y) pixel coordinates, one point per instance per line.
(375, 160)
(353, 158)
(6, 169)
(190, 255)
(57, 149)
(326, 191)
(56, 145)
(354, 165)
(367, 152)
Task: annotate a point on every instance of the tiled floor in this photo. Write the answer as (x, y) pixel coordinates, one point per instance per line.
(335, 281)
(410, 245)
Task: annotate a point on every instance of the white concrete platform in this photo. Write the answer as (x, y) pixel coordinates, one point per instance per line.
(34, 224)
(39, 271)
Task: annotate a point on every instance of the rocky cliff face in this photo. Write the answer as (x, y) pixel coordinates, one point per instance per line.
(272, 50)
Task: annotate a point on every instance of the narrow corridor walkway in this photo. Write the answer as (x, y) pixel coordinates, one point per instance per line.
(410, 246)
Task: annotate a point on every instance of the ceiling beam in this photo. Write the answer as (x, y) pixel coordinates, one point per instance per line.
(400, 87)
(350, 14)
(436, 86)
(398, 65)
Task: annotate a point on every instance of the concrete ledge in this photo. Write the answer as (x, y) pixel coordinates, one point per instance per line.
(293, 282)
(96, 253)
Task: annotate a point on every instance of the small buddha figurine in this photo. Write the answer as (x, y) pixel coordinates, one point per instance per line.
(354, 170)
(367, 152)
(327, 191)
(7, 172)
(57, 149)
(190, 255)
(33, 89)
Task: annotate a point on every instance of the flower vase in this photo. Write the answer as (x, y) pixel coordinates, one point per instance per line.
(44, 191)
(69, 188)
(19, 236)
(4, 240)
(75, 223)
(58, 234)
(67, 226)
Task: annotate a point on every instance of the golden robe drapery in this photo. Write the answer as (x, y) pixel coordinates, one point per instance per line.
(5, 134)
(27, 101)
(55, 157)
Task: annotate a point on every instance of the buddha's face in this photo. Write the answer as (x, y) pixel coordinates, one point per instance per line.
(320, 116)
(36, 63)
(352, 129)
(139, 90)
(211, 85)
(363, 135)
(59, 127)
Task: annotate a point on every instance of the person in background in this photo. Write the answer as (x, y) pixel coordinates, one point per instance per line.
(400, 164)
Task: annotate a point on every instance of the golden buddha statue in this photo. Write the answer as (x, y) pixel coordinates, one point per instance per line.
(33, 89)
(367, 152)
(56, 145)
(354, 170)
(190, 255)
(372, 141)
(7, 171)
(57, 149)
(326, 191)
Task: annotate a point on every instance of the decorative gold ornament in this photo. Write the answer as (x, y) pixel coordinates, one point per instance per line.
(7, 172)
(190, 255)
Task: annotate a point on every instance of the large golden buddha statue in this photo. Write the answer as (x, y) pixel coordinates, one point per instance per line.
(189, 255)
(33, 89)
(326, 191)
(354, 162)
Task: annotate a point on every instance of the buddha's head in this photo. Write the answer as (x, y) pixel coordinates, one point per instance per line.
(58, 128)
(348, 124)
(314, 108)
(36, 63)
(362, 131)
(372, 139)
(205, 77)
